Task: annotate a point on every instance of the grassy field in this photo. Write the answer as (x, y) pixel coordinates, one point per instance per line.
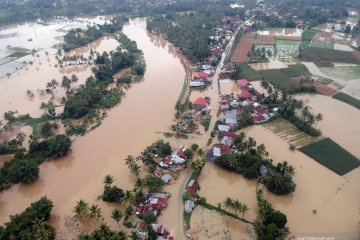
(331, 155)
(347, 99)
(322, 45)
(245, 71)
(277, 78)
(307, 36)
(323, 57)
(343, 72)
(295, 70)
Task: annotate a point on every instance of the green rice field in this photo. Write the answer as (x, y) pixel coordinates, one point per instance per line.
(245, 71)
(347, 99)
(295, 70)
(277, 78)
(331, 155)
(307, 36)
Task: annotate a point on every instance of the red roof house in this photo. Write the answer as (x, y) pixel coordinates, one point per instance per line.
(192, 187)
(245, 94)
(217, 51)
(203, 74)
(200, 103)
(243, 82)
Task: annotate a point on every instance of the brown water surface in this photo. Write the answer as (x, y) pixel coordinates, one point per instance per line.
(147, 108)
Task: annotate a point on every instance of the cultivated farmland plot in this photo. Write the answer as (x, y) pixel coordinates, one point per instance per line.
(291, 134)
(287, 48)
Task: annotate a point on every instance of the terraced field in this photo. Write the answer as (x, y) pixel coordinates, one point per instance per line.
(291, 134)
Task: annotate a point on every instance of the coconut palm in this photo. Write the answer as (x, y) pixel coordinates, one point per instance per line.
(228, 203)
(261, 150)
(81, 211)
(244, 209)
(29, 93)
(232, 161)
(135, 169)
(108, 180)
(95, 212)
(116, 214)
(140, 183)
(129, 196)
(20, 137)
(129, 160)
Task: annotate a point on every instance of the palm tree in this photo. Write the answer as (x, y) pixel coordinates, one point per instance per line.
(135, 169)
(81, 211)
(129, 160)
(237, 206)
(251, 143)
(20, 137)
(244, 209)
(319, 117)
(29, 93)
(261, 150)
(232, 161)
(129, 196)
(139, 183)
(40, 231)
(95, 212)
(228, 203)
(108, 180)
(116, 214)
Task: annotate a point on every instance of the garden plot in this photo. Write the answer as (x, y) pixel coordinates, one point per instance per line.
(289, 133)
(287, 48)
(268, 50)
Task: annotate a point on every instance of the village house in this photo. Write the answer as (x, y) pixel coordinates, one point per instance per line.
(155, 202)
(200, 103)
(192, 187)
(216, 151)
(189, 205)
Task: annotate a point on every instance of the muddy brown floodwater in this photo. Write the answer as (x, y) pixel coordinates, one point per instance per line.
(335, 198)
(147, 108)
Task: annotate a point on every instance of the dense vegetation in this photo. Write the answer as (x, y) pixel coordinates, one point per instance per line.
(24, 168)
(191, 32)
(295, 111)
(94, 94)
(347, 99)
(331, 155)
(269, 223)
(104, 233)
(77, 37)
(248, 160)
(30, 224)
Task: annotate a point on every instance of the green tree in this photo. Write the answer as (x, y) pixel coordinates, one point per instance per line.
(108, 180)
(149, 217)
(95, 212)
(80, 211)
(116, 214)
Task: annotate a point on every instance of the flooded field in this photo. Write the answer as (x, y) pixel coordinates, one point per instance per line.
(125, 131)
(208, 224)
(317, 189)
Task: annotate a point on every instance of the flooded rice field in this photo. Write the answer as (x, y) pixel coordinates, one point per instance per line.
(285, 32)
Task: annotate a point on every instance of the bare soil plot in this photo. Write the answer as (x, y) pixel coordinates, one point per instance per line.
(320, 88)
(242, 49)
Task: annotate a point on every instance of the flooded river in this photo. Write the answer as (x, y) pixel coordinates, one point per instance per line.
(147, 108)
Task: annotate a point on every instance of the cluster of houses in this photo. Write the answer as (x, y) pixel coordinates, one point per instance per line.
(232, 108)
(154, 202)
(188, 121)
(174, 161)
(201, 76)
